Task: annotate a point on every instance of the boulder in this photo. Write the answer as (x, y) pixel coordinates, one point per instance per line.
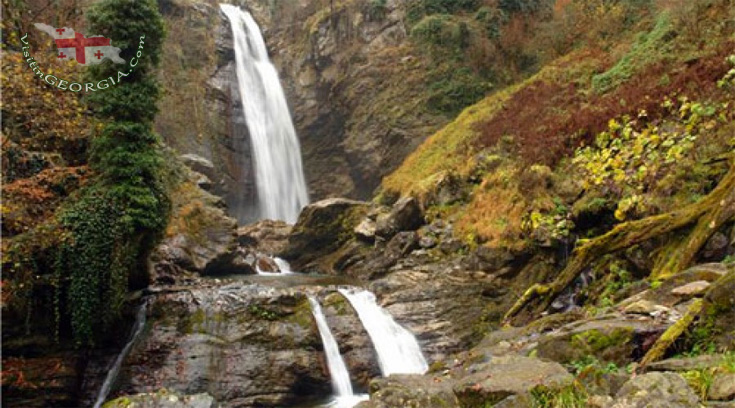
(616, 339)
(266, 236)
(411, 391)
(655, 390)
(322, 228)
(162, 399)
(405, 215)
(509, 375)
(723, 387)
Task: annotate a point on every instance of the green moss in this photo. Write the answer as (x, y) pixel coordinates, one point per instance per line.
(302, 315)
(595, 341)
(649, 48)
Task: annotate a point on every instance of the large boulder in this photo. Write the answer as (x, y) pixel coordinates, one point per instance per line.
(405, 215)
(244, 344)
(410, 391)
(509, 375)
(322, 228)
(616, 338)
(266, 236)
(655, 390)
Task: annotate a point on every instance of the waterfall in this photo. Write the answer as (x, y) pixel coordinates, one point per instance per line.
(344, 396)
(279, 176)
(115, 369)
(398, 351)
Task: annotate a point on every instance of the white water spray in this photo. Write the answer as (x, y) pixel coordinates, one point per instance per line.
(341, 385)
(279, 175)
(398, 351)
(115, 369)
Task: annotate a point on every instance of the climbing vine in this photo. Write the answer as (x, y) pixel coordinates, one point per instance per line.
(114, 222)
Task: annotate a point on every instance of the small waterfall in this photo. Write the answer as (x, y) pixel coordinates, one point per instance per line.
(398, 351)
(283, 265)
(115, 369)
(279, 176)
(344, 396)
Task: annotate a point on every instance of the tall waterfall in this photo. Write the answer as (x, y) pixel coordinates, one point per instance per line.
(344, 396)
(279, 175)
(115, 369)
(398, 351)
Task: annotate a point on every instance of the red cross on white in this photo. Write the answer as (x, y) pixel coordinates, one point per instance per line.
(75, 46)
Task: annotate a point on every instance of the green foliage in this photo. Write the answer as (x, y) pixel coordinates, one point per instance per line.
(572, 396)
(263, 313)
(442, 30)
(115, 220)
(377, 9)
(93, 262)
(420, 8)
(635, 156)
(700, 381)
(728, 81)
(649, 47)
(454, 91)
(590, 364)
(523, 6)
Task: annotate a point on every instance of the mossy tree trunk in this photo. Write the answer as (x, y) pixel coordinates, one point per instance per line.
(709, 214)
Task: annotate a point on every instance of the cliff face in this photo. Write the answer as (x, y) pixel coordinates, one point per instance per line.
(354, 86)
(201, 113)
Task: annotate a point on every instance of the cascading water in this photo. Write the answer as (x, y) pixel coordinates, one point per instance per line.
(279, 175)
(344, 396)
(398, 351)
(115, 369)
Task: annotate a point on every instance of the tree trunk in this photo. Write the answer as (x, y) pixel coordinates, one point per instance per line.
(709, 214)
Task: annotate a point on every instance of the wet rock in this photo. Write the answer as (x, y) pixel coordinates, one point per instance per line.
(266, 264)
(163, 399)
(655, 390)
(266, 236)
(244, 344)
(405, 215)
(354, 343)
(510, 375)
(692, 289)
(411, 391)
(723, 387)
(440, 306)
(616, 338)
(323, 227)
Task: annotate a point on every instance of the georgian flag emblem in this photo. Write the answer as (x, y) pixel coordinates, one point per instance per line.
(75, 46)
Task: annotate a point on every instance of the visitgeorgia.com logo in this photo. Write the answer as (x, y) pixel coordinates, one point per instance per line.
(71, 45)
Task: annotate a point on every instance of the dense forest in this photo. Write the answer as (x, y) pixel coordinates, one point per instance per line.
(535, 199)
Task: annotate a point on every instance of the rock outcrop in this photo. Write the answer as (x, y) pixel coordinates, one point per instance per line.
(243, 344)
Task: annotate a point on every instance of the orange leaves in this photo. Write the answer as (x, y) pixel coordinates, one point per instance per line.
(31, 201)
(36, 115)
